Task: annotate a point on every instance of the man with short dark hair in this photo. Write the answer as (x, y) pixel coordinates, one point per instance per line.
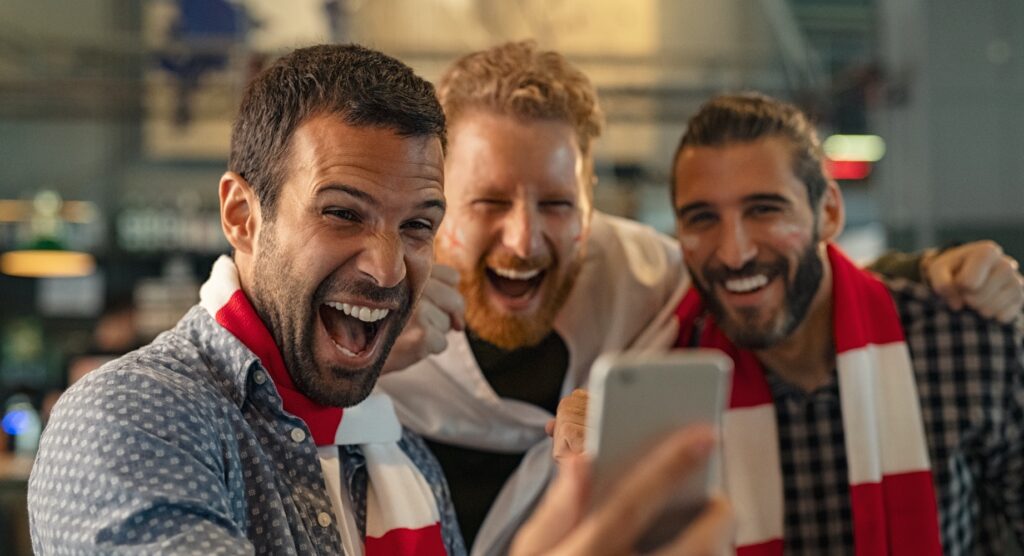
(252, 426)
(866, 415)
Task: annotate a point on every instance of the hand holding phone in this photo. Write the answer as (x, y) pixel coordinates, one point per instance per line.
(636, 401)
(564, 523)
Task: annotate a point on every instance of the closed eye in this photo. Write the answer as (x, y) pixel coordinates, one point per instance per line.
(492, 202)
(557, 204)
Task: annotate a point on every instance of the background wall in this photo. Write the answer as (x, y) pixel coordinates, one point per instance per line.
(126, 106)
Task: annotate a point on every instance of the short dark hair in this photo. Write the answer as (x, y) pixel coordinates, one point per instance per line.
(361, 86)
(747, 117)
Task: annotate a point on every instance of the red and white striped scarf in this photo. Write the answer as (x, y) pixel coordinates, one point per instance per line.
(402, 517)
(891, 494)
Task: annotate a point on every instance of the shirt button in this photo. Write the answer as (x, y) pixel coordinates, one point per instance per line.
(259, 377)
(298, 434)
(323, 519)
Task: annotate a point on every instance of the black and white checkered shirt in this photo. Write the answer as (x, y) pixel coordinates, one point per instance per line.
(970, 377)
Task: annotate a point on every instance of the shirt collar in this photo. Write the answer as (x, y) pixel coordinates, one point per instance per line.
(226, 356)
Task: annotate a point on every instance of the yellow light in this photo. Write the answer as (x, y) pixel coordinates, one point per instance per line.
(854, 148)
(47, 263)
(78, 212)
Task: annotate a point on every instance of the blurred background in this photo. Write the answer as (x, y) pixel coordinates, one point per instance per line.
(115, 120)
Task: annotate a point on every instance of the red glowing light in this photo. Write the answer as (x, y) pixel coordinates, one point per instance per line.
(848, 169)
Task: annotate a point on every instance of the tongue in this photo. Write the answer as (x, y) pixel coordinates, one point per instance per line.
(513, 288)
(344, 330)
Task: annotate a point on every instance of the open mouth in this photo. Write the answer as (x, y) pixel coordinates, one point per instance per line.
(515, 284)
(747, 284)
(354, 329)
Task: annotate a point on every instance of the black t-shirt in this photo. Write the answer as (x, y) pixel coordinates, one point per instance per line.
(532, 374)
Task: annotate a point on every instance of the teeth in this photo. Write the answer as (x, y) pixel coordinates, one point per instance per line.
(364, 314)
(744, 285)
(516, 274)
(345, 350)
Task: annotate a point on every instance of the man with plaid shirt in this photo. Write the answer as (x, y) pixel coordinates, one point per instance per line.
(858, 449)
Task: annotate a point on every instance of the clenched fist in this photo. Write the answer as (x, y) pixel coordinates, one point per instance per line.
(440, 309)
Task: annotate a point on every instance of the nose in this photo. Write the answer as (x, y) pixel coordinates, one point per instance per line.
(383, 260)
(736, 247)
(522, 234)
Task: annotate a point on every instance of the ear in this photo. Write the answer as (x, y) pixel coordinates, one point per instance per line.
(832, 213)
(239, 212)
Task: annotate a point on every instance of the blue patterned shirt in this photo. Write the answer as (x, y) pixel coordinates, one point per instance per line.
(182, 447)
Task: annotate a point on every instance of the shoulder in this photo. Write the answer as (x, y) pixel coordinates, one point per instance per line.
(138, 406)
(623, 252)
(616, 234)
(170, 376)
(923, 313)
(977, 359)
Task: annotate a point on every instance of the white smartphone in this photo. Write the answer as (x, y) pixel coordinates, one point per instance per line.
(637, 400)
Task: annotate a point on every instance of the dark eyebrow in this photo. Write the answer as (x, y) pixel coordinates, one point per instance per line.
(682, 211)
(433, 204)
(351, 191)
(372, 201)
(767, 197)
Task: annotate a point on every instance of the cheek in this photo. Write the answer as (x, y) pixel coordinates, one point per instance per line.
(453, 237)
(689, 242)
(790, 236)
(461, 243)
(418, 263)
(566, 234)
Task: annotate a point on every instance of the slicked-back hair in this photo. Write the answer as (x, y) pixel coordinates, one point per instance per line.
(746, 117)
(362, 87)
(517, 79)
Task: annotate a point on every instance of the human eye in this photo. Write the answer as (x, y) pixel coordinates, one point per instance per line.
(491, 204)
(764, 209)
(419, 224)
(419, 229)
(557, 204)
(700, 219)
(342, 214)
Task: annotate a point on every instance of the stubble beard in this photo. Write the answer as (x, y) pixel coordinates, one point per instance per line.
(290, 318)
(741, 326)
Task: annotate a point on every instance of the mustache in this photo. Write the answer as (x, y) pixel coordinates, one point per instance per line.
(508, 260)
(721, 273)
(399, 294)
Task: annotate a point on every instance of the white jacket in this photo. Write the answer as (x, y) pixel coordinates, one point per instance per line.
(630, 282)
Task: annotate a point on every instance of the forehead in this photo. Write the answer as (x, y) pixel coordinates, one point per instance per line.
(735, 170)
(325, 147)
(493, 150)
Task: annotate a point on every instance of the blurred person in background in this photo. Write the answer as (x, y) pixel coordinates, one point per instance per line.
(548, 283)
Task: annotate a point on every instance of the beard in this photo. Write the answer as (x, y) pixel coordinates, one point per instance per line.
(291, 317)
(742, 325)
(512, 331)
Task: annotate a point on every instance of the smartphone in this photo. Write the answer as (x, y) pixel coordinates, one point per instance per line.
(636, 400)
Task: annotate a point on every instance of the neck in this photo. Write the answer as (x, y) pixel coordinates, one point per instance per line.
(807, 357)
